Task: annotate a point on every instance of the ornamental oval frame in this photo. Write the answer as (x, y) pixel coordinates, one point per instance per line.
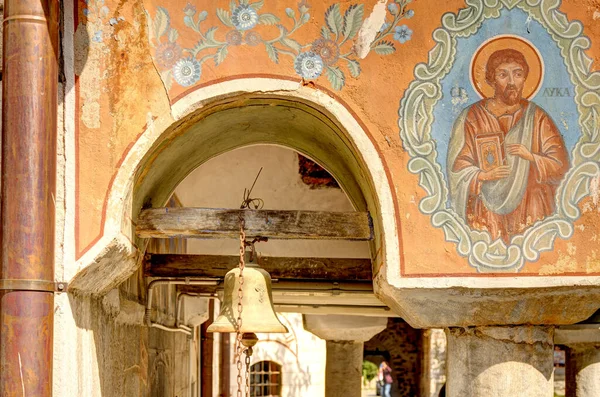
(416, 118)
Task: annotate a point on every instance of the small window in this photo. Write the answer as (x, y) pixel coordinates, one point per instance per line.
(265, 379)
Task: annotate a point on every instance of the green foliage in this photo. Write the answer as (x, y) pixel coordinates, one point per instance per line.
(369, 370)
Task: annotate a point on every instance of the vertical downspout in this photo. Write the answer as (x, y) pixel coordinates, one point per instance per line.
(206, 353)
(29, 121)
(225, 380)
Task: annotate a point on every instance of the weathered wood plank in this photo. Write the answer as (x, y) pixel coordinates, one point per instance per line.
(224, 223)
(174, 265)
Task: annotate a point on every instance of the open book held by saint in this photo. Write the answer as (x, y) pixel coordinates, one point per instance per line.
(510, 197)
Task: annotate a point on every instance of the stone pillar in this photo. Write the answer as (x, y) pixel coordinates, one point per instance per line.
(345, 336)
(583, 370)
(500, 362)
(583, 358)
(343, 368)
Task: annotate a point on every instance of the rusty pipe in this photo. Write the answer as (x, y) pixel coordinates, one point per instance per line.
(29, 122)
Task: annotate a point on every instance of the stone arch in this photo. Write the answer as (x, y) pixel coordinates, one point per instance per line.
(225, 116)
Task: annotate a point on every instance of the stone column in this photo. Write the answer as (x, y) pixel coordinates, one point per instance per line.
(345, 336)
(583, 358)
(500, 362)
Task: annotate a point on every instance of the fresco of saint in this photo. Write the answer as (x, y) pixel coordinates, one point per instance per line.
(520, 141)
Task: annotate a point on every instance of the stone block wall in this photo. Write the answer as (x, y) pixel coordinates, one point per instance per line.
(400, 345)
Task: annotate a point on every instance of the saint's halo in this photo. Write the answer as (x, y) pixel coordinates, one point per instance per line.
(531, 54)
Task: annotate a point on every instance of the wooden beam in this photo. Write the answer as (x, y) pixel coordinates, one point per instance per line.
(225, 223)
(174, 265)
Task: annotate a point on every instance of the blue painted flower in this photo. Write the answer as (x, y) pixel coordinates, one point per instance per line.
(393, 8)
(187, 71)
(410, 13)
(289, 12)
(384, 26)
(98, 36)
(189, 10)
(403, 33)
(244, 17)
(308, 65)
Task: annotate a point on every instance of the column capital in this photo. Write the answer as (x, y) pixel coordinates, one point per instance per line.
(344, 328)
(571, 335)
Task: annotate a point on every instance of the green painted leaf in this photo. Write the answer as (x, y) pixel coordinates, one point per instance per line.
(325, 33)
(220, 55)
(244, 1)
(384, 48)
(232, 5)
(200, 45)
(173, 35)
(352, 20)
(354, 67)
(293, 44)
(333, 18)
(336, 77)
(161, 22)
(224, 17)
(257, 5)
(268, 19)
(210, 36)
(189, 22)
(272, 52)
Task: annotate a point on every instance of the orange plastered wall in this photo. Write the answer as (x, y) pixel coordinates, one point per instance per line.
(119, 89)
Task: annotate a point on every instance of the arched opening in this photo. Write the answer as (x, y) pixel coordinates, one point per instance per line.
(246, 120)
(212, 128)
(224, 117)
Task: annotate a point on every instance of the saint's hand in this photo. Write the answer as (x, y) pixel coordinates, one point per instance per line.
(494, 174)
(519, 150)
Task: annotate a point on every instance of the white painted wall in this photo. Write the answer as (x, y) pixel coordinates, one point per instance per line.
(300, 354)
(220, 183)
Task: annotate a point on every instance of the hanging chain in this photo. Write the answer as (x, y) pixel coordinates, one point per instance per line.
(248, 354)
(242, 264)
(246, 203)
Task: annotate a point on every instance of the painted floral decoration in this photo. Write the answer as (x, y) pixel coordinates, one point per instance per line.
(327, 50)
(309, 65)
(244, 17)
(330, 54)
(187, 71)
(403, 34)
(96, 12)
(167, 54)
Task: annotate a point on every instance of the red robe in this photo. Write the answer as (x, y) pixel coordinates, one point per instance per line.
(545, 173)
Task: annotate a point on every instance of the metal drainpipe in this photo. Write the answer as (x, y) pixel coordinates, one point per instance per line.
(29, 121)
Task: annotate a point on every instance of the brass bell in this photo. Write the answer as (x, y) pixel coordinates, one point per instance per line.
(258, 313)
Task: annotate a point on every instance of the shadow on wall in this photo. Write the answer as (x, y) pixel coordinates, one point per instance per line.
(283, 349)
(132, 359)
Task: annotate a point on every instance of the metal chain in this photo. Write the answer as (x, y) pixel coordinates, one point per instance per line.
(239, 350)
(248, 354)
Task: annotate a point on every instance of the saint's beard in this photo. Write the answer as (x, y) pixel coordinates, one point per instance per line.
(510, 95)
